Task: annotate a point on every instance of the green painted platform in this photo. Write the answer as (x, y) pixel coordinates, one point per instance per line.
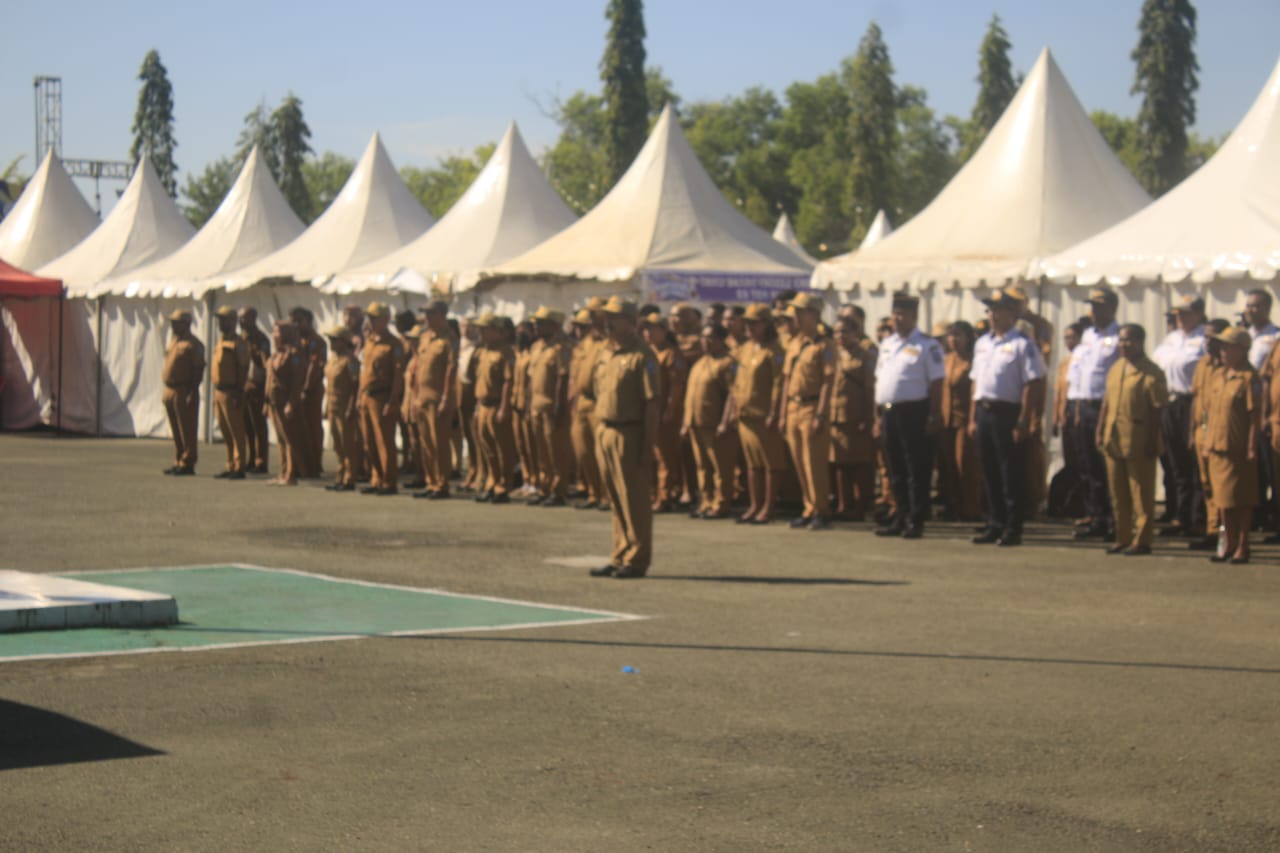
(238, 605)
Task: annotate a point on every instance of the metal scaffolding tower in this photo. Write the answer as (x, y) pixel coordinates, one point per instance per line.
(49, 135)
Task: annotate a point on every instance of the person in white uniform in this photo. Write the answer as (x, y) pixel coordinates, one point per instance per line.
(1257, 319)
(1178, 355)
(1087, 384)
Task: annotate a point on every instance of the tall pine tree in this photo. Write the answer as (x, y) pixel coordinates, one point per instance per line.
(626, 101)
(873, 135)
(1166, 78)
(996, 87)
(290, 133)
(153, 122)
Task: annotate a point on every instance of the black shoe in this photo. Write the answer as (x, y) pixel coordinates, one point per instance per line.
(553, 501)
(415, 484)
(585, 505)
(1116, 549)
(384, 492)
(503, 498)
(797, 523)
(170, 471)
(236, 475)
(1137, 551)
(695, 513)
(258, 469)
(184, 472)
(988, 537)
(1010, 540)
(223, 475)
(335, 487)
(914, 531)
(425, 493)
(1204, 543)
(604, 507)
(603, 572)
(438, 496)
(1173, 530)
(483, 497)
(627, 573)
(820, 522)
(368, 490)
(743, 519)
(1273, 539)
(1219, 558)
(536, 500)
(892, 530)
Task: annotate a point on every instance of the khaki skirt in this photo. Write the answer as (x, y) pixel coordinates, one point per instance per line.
(1234, 480)
(762, 447)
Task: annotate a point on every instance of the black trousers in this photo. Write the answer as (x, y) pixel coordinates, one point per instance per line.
(1093, 468)
(1185, 500)
(1004, 465)
(909, 452)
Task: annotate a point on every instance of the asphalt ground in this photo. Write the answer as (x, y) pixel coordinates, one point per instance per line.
(792, 690)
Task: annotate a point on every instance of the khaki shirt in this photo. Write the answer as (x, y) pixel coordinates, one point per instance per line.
(1231, 405)
(520, 379)
(709, 383)
(758, 385)
(690, 347)
(437, 357)
(183, 363)
(853, 396)
(957, 388)
(316, 352)
(382, 368)
(231, 361)
(811, 363)
(674, 375)
(495, 373)
(259, 351)
(1135, 397)
(625, 380)
(342, 382)
(286, 371)
(549, 364)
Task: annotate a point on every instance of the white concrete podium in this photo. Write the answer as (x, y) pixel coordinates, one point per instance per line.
(31, 602)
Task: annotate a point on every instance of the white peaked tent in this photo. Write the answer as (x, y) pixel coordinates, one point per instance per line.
(252, 221)
(880, 228)
(1043, 180)
(664, 231)
(785, 234)
(509, 208)
(374, 214)
(145, 225)
(1222, 224)
(48, 219)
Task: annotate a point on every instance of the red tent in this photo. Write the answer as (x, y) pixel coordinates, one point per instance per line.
(16, 284)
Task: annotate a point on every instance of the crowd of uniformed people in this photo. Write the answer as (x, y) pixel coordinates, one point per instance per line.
(726, 415)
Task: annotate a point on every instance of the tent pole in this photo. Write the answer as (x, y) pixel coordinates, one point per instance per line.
(208, 383)
(97, 405)
(62, 301)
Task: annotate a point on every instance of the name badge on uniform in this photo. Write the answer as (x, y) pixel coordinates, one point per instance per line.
(1007, 349)
(1109, 341)
(911, 351)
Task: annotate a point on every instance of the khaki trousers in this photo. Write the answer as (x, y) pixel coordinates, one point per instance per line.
(435, 435)
(345, 435)
(1133, 496)
(582, 432)
(255, 429)
(312, 427)
(182, 405)
(1211, 520)
(497, 446)
(229, 407)
(810, 451)
(666, 450)
(289, 439)
(553, 451)
(714, 456)
(379, 432)
(626, 457)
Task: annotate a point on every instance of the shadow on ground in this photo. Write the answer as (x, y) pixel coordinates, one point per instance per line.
(34, 737)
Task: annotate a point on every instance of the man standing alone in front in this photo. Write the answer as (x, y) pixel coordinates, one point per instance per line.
(183, 371)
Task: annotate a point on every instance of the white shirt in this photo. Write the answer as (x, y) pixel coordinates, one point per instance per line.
(1263, 340)
(1003, 365)
(1098, 350)
(1178, 355)
(906, 368)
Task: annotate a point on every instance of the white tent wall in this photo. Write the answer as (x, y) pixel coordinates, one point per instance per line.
(518, 299)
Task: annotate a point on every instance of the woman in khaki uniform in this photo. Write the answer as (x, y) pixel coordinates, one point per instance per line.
(548, 409)
(495, 374)
(959, 468)
(706, 424)
(408, 421)
(810, 371)
(342, 382)
(286, 378)
(756, 405)
(673, 373)
(1131, 438)
(853, 407)
(1203, 382)
(582, 426)
(1233, 410)
(521, 418)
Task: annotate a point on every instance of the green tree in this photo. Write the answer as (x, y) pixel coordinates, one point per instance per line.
(324, 177)
(1166, 78)
(813, 135)
(873, 130)
(258, 130)
(442, 185)
(1121, 135)
(626, 102)
(290, 133)
(153, 122)
(996, 88)
(205, 192)
(925, 161)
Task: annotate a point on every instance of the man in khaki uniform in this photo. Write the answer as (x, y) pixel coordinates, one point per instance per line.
(229, 374)
(342, 383)
(381, 390)
(312, 348)
(673, 373)
(412, 459)
(494, 429)
(549, 361)
(434, 408)
(1130, 435)
(255, 387)
(809, 372)
(582, 408)
(182, 374)
(626, 390)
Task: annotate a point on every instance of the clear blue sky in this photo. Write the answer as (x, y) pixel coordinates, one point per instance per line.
(442, 77)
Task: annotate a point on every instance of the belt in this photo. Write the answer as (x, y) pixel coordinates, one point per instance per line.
(376, 392)
(621, 424)
(1092, 404)
(796, 398)
(885, 407)
(1176, 397)
(997, 405)
(490, 402)
(182, 386)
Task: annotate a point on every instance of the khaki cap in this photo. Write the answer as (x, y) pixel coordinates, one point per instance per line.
(1003, 299)
(1102, 296)
(484, 321)
(1190, 303)
(681, 307)
(1016, 292)
(653, 317)
(807, 302)
(1234, 336)
(180, 315)
(339, 332)
(758, 311)
(582, 318)
(225, 311)
(596, 303)
(377, 309)
(619, 307)
(549, 314)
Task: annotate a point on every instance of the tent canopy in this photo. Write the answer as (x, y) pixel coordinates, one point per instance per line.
(785, 234)
(880, 228)
(253, 221)
(144, 225)
(374, 214)
(1221, 223)
(1043, 179)
(665, 214)
(509, 208)
(15, 282)
(48, 219)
